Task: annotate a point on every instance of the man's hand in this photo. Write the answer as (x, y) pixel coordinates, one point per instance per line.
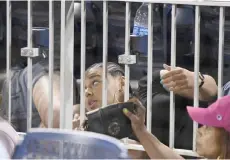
(77, 125)
(76, 109)
(177, 79)
(76, 121)
(137, 119)
(76, 118)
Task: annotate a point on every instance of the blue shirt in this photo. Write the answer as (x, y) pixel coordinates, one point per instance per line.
(226, 89)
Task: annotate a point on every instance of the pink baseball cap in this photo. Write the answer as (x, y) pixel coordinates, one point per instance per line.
(216, 115)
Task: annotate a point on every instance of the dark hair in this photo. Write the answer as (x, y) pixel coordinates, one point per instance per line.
(113, 69)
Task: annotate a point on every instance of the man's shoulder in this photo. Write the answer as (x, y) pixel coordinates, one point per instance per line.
(39, 69)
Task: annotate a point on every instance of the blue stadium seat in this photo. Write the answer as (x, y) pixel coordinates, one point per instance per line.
(62, 144)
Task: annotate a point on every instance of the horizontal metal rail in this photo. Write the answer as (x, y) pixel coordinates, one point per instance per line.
(183, 152)
(186, 2)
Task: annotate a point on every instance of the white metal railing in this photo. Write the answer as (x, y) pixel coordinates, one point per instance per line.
(83, 42)
(67, 25)
(51, 61)
(196, 69)
(67, 49)
(173, 64)
(8, 52)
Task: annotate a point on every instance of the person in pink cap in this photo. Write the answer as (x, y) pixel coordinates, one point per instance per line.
(213, 138)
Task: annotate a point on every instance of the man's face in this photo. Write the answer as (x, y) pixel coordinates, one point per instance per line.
(209, 141)
(93, 89)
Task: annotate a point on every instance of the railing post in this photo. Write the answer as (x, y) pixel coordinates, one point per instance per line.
(196, 69)
(8, 56)
(29, 64)
(83, 52)
(221, 51)
(51, 62)
(150, 67)
(173, 65)
(67, 49)
(105, 52)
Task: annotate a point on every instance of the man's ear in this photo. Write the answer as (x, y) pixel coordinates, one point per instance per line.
(122, 82)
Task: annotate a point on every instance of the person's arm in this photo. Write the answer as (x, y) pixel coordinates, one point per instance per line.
(41, 99)
(135, 154)
(181, 82)
(206, 93)
(154, 148)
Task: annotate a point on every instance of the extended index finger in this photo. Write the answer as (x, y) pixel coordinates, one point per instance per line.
(76, 116)
(171, 73)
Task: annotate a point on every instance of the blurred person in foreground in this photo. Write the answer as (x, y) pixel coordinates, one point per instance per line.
(9, 138)
(213, 138)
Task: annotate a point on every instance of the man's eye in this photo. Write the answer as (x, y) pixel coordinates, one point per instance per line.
(95, 83)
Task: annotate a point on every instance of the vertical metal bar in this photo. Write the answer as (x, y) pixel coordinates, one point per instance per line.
(83, 41)
(150, 66)
(173, 64)
(221, 50)
(67, 48)
(62, 84)
(51, 62)
(69, 63)
(8, 63)
(196, 69)
(127, 48)
(29, 64)
(105, 52)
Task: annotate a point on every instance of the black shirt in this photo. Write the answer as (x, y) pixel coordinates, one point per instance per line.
(161, 113)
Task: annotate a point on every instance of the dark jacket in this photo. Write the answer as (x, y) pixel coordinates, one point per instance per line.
(161, 113)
